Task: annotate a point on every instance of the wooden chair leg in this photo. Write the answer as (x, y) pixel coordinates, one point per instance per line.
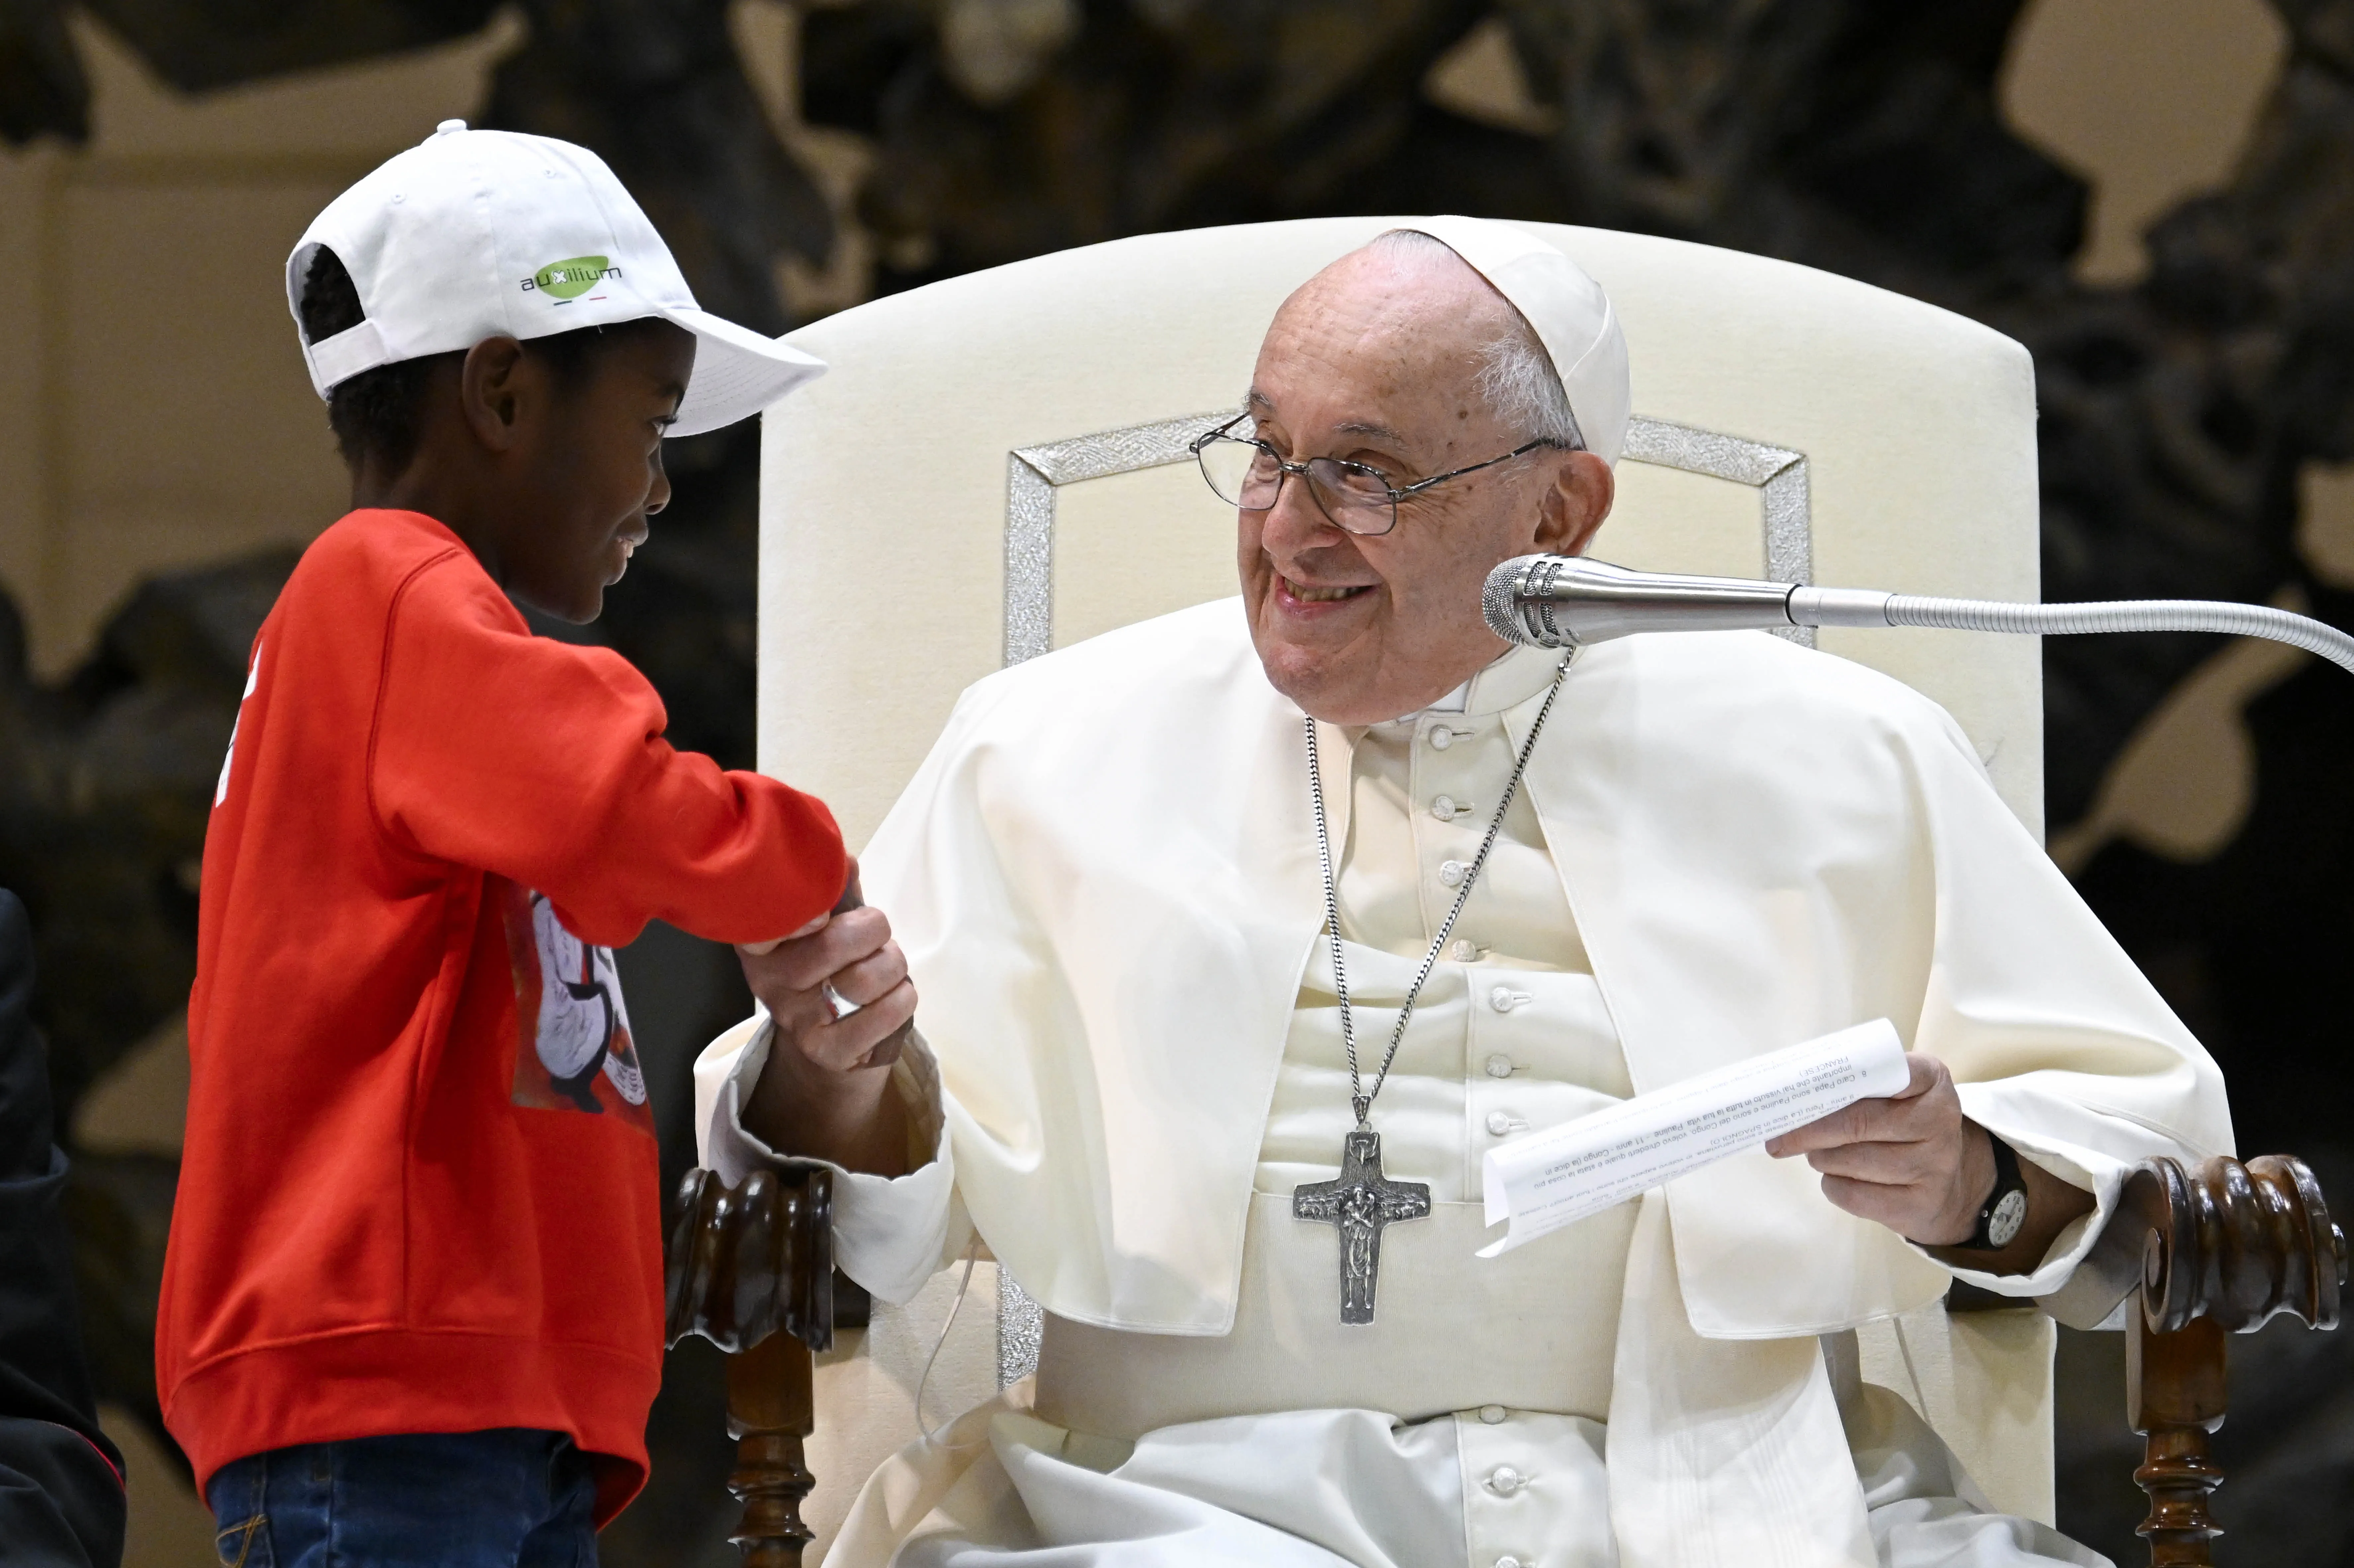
(2174, 1397)
(769, 1412)
(750, 1268)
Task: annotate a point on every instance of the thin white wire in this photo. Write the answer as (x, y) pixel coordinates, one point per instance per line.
(1905, 1349)
(972, 1257)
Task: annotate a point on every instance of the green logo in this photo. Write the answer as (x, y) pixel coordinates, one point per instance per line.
(570, 278)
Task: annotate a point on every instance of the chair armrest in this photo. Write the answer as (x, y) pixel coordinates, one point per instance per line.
(2220, 1249)
(2235, 1243)
(744, 1262)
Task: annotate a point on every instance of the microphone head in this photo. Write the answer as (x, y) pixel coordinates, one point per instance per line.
(1564, 601)
(1501, 602)
(1521, 595)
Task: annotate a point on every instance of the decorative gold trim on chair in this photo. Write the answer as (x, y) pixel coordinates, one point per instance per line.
(1033, 474)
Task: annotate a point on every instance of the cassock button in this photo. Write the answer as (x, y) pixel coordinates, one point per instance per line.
(1441, 737)
(1503, 998)
(1464, 952)
(1500, 1066)
(1504, 1480)
(1493, 1415)
(1445, 808)
(1503, 1123)
(1451, 873)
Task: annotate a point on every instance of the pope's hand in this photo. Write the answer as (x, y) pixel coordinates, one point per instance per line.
(817, 1095)
(1911, 1161)
(854, 956)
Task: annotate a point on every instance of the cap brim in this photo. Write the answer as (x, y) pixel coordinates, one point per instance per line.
(738, 372)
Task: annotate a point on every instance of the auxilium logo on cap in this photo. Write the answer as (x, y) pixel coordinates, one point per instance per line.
(569, 279)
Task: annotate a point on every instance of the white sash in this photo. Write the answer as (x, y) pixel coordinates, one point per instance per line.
(1722, 1452)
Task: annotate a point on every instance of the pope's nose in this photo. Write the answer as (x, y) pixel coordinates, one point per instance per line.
(1295, 525)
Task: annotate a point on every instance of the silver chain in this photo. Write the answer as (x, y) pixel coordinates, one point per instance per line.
(1362, 1101)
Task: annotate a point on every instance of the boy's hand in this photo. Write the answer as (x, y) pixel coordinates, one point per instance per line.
(817, 1096)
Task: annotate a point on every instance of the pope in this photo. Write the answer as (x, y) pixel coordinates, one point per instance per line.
(1241, 934)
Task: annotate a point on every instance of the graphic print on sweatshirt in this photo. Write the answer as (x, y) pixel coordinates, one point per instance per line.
(573, 1046)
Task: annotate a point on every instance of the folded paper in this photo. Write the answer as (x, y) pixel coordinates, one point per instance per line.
(1546, 1179)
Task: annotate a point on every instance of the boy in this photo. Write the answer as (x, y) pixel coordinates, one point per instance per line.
(412, 1305)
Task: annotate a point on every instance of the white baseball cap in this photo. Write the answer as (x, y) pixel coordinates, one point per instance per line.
(474, 234)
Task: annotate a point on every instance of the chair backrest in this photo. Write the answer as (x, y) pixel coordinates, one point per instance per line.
(995, 466)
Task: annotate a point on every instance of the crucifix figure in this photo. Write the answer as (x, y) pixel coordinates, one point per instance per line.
(1361, 1203)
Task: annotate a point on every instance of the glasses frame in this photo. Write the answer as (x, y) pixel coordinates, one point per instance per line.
(1200, 445)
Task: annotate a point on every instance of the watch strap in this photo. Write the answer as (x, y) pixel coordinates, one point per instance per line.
(2006, 1181)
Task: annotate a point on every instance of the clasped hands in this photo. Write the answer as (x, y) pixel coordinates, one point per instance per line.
(815, 1097)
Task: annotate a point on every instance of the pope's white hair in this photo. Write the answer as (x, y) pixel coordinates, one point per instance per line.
(1517, 377)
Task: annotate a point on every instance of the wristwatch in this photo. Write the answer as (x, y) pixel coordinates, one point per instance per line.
(2005, 1214)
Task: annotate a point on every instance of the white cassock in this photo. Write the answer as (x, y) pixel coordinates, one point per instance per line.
(1105, 879)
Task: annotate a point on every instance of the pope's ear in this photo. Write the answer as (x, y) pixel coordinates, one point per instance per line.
(1574, 504)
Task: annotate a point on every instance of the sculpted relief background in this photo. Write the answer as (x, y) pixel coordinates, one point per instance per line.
(2155, 196)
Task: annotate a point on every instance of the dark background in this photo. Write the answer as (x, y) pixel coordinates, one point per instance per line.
(2178, 415)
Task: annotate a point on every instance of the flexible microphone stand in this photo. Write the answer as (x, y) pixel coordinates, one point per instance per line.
(1562, 602)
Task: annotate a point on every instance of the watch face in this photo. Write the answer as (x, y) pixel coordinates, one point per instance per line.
(2010, 1215)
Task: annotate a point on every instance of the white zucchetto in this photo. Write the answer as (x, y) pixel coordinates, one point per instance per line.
(1567, 308)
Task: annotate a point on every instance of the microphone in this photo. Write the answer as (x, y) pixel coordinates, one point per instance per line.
(1568, 601)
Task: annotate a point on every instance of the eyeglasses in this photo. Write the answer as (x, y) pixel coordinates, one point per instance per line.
(1247, 472)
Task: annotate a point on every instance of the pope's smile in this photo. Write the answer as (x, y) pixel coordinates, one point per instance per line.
(1300, 595)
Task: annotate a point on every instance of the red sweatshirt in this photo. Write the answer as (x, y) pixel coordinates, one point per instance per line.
(419, 1192)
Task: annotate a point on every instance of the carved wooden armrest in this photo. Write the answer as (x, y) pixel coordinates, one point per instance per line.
(2221, 1250)
(2235, 1243)
(743, 1264)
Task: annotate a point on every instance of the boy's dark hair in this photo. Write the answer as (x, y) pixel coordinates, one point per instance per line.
(380, 413)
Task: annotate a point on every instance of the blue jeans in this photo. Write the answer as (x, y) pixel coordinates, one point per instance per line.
(513, 1499)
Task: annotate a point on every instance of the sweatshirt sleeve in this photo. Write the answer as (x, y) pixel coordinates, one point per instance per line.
(545, 762)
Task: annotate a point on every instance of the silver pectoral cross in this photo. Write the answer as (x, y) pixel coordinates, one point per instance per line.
(1361, 1203)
